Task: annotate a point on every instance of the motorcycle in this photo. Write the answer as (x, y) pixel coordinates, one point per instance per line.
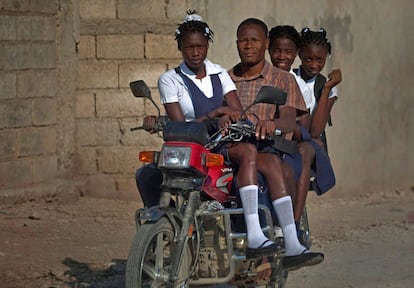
(195, 236)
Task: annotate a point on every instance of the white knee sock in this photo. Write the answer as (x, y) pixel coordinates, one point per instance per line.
(249, 198)
(284, 211)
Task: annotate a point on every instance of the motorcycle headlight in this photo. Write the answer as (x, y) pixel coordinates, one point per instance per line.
(175, 157)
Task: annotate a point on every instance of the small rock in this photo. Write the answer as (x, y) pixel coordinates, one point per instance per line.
(34, 216)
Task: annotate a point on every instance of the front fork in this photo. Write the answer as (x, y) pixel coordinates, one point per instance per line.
(185, 233)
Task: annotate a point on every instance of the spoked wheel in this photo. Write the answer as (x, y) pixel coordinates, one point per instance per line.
(149, 260)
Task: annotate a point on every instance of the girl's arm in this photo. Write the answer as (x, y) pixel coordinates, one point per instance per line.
(304, 122)
(323, 109)
(233, 109)
(233, 100)
(232, 104)
(174, 111)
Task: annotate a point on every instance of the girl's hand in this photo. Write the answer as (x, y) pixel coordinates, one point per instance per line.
(148, 123)
(235, 116)
(226, 110)
(319, 142)
(334, 78)
(223, 123)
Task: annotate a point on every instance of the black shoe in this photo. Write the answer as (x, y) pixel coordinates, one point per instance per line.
(261, 251)
(291, 263)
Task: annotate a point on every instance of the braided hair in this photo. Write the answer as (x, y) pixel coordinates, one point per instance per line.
(285, 31)
(192, 22)
(315, 37)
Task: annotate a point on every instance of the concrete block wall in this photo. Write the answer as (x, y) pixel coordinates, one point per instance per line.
(120, 41)
(32, 159)
(66, 108)
(65, 103)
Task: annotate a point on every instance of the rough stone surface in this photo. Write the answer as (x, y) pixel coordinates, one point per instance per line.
(153, 49)
(98, 9)
(87, 47)
(120, 47)
(92, 74)
(141, 9)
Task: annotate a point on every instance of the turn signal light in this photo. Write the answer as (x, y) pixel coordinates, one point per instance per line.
(214, 159)
(148, 156)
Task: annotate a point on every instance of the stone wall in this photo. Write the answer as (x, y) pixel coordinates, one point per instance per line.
(66, 107)
(120, 41)
(65, 103)
(35, 106)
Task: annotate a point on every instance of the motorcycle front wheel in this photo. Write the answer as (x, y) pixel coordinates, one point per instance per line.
(150, 257)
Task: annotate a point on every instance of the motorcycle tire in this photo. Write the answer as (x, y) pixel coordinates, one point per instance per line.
(305, 235)
(150, 257)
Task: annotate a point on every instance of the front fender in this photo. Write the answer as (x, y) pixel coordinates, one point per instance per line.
(155, 213)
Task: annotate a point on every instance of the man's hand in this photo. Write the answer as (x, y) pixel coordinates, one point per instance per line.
(265, 127)
(251, 117)
(148, 123)
(334, 78)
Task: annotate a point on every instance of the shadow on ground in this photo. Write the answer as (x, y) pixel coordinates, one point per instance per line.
(82, 275)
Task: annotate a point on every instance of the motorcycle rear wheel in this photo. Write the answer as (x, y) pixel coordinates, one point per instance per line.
(150, 257)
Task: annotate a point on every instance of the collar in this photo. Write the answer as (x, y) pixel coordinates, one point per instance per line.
(300, 75)
(210, 67)
(235, 73)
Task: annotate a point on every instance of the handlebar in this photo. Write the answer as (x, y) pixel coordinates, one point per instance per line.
(239, 131)
(236, 132)
(158, 125)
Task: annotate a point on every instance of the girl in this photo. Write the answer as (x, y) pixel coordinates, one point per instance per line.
(313, 54)
(319, 95)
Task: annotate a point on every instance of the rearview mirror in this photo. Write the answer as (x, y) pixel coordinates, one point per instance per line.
(140, 89)
(271, 95)
(268, 95)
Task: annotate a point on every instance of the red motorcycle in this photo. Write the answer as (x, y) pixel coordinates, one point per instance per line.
(198, 240)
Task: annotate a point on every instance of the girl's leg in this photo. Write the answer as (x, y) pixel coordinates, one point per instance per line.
(308, 154)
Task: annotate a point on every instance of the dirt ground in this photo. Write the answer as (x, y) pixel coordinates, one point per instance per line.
(368, 242)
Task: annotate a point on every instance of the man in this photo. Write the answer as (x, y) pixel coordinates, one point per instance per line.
(250, 75)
